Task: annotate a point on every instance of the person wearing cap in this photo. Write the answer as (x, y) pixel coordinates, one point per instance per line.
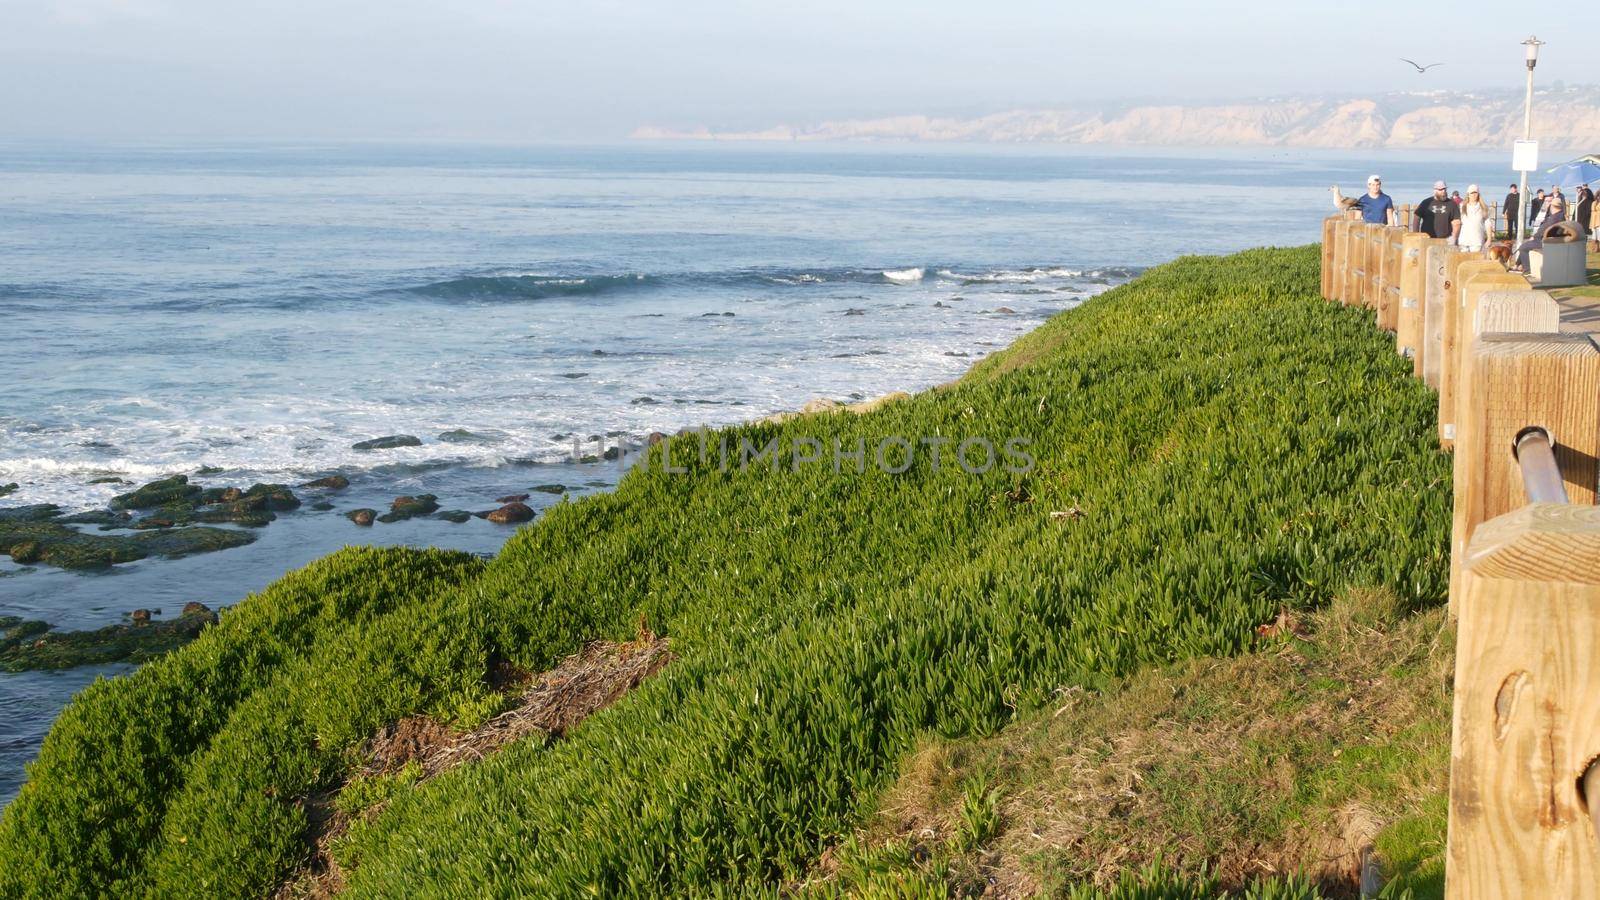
(1377, 208)
(1437, 216)
(1477, 223)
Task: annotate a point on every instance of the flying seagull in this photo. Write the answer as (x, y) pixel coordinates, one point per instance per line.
(1420, 69)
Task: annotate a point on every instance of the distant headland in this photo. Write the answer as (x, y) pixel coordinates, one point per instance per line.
(1565, 118)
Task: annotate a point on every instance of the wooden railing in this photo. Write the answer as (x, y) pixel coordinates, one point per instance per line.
(1524, 576)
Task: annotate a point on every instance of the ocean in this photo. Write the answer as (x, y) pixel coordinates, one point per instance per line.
(246, 313)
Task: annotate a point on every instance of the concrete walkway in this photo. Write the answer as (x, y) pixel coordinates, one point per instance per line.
(1580, 306)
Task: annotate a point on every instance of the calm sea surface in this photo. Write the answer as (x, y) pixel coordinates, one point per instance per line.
(258, 309)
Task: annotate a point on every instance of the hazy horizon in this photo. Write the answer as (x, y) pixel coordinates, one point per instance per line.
(496, 71)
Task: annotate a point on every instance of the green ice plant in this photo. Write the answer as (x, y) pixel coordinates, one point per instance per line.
(1210, 443)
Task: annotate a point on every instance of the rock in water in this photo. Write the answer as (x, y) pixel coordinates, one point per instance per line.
(164, 492)
(511, 498)
(38, 512)
(275, 497)
(362, 517)
(332, 483)
(511, 514)
(8, 488)
(195, 608)
(456, 516)
(409, 507)
(388, 442)
(550, 488)
(31, 645)
(58, 545)
(463, 436)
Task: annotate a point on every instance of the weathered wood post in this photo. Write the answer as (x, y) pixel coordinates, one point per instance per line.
(1372, 290)
(1389, 279)
(1328, 243)
(1349, 247)
(1512, 380)
(1475, 281)
(1465, 268)
(1526, 724)
(1408, 318)
(1438, 259)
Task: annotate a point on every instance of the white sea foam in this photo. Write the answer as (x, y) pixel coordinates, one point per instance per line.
(904, 276)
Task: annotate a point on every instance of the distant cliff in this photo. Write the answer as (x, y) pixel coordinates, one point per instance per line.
(1564, 119)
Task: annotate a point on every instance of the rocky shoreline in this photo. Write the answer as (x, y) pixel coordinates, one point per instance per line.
(174, 517)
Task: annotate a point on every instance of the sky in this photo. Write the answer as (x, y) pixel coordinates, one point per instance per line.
(498, 70)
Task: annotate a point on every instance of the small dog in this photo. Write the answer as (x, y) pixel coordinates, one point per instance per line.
(1500, 252)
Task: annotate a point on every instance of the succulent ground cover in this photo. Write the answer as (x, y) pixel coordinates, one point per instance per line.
(1210, 445)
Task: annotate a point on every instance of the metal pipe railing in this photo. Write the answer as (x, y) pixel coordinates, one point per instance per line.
(1541, 477)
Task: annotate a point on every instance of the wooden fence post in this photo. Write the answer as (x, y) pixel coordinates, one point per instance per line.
(1438, 259)
(1511, 381)
(1328, 244)
(1532, 312)
(1351, 242)
(1373, 289)
(1359, 246)
(1389, 290)
(1452, 333)
(1526, 723)
(1408, 319)
(1475, 281)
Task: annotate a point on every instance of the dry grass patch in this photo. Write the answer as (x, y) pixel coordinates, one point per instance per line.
(1325, 749)
(417, 748)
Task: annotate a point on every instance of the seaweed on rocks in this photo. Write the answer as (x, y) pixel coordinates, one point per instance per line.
(28, 645)
(163, 492)
(59, 545)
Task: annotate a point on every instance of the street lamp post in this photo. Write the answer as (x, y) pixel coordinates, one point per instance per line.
(1532, 44)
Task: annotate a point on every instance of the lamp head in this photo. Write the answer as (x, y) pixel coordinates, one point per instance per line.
(1532, 45)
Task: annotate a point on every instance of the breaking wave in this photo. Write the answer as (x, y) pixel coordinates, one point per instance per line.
(529, 286)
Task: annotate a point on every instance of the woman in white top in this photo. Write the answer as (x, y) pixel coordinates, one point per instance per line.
(1476, 222)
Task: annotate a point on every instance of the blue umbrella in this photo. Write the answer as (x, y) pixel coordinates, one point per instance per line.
(1579, 171)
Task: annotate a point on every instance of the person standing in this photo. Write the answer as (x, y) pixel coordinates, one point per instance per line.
(1477, 224)
(1594, 227)
(1513, 200)
(1377, 208)
(1583, 205)
(1536, 205)
(1437, 216)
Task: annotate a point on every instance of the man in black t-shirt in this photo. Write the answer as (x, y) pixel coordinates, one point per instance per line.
(1437, 216)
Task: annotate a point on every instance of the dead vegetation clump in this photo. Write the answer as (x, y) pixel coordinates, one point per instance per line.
(418, 748)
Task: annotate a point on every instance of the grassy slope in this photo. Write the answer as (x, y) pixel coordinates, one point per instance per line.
(1291, 758)
(1235, 444)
